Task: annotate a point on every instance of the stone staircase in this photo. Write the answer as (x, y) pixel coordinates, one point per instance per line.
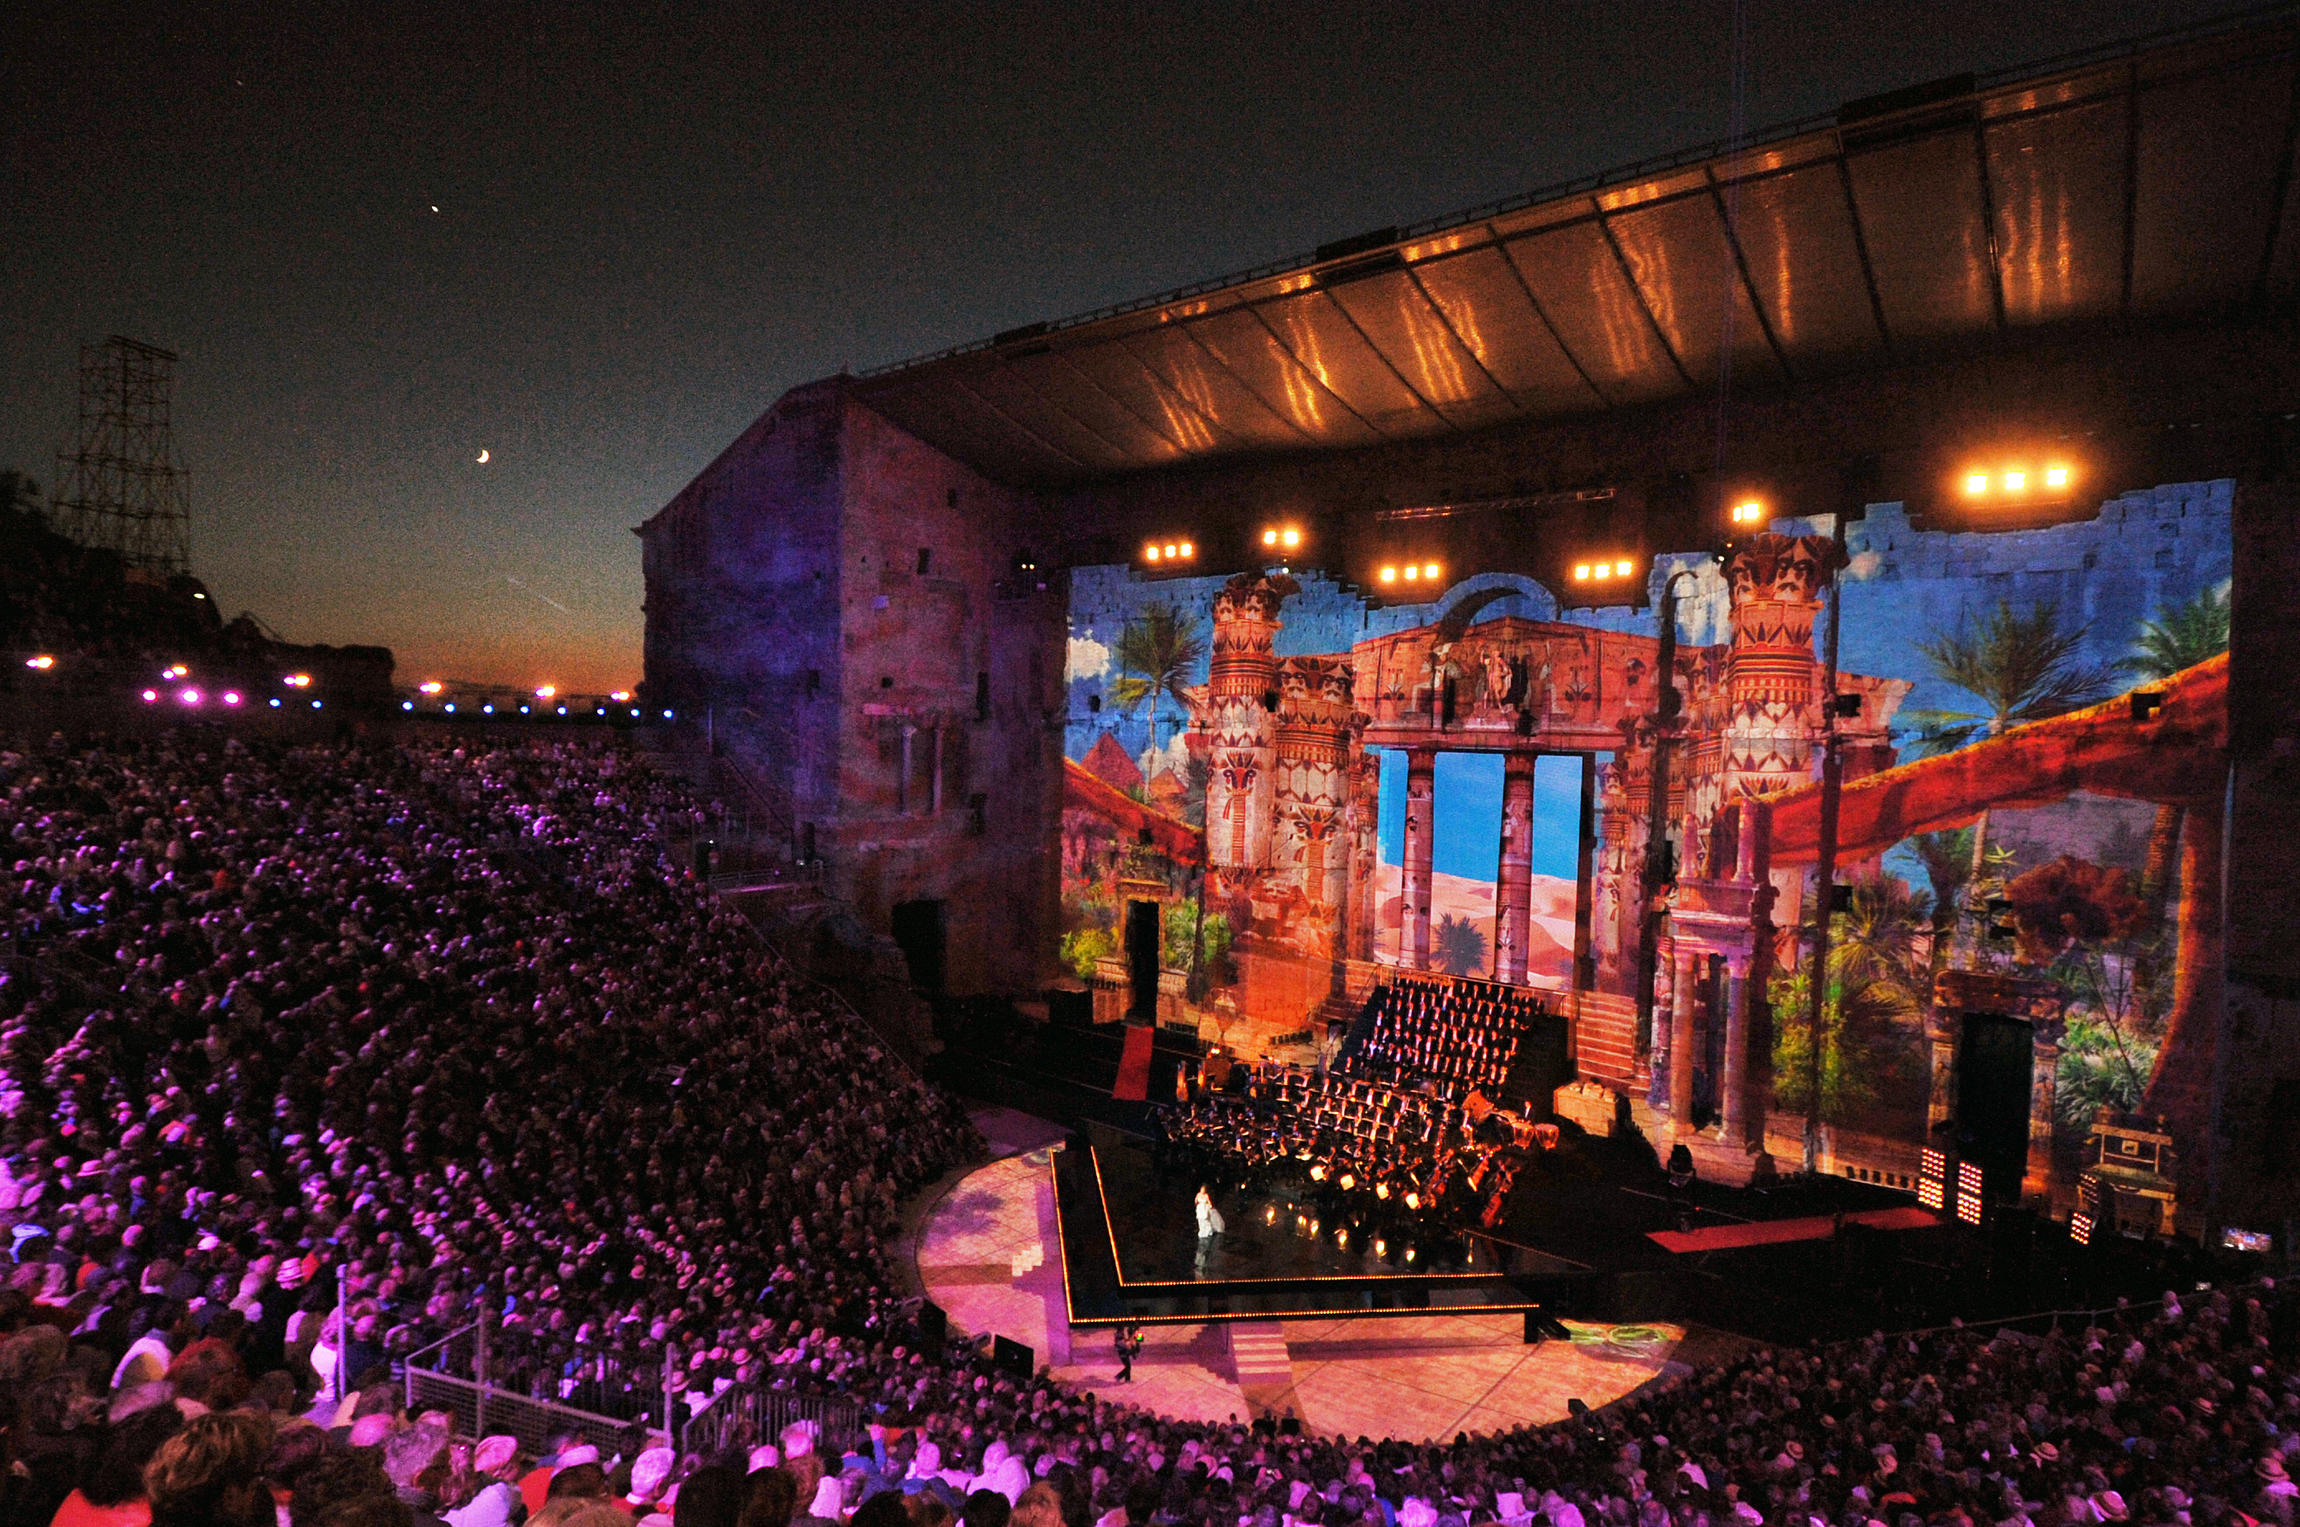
(792, 905)
(1605, 1037)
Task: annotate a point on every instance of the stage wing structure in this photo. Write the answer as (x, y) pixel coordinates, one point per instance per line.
(2142, 182)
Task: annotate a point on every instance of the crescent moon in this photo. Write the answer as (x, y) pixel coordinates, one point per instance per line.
(482, 456)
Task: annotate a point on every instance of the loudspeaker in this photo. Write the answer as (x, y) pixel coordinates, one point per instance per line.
(933, 1325)
(1014, 1358)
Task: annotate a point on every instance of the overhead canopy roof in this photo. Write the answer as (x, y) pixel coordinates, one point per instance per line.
(2147, 180)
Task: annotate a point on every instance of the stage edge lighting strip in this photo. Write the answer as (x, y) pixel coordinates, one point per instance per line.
(1117, 1262)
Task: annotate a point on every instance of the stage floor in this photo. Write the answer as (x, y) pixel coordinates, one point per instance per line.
(1268, 1237)
(989, 1252)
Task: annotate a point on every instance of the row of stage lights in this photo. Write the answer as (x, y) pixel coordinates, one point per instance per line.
(191, 696)
(1311, 1226)
(173, 685)
(546, 693)
(2013, 484)
(1278, 538)
(2018, 481)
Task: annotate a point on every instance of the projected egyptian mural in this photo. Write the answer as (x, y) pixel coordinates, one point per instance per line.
(1278, 787)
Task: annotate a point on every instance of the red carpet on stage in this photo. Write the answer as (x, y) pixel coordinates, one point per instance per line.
(1134, 1066)
(1771, 1232)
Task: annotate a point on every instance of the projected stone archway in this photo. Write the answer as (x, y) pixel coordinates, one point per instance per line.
(1291, 746)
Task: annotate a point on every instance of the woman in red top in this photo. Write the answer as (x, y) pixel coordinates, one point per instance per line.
(112, 1494)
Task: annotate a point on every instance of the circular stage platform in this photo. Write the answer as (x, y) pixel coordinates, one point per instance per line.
(990, 1254)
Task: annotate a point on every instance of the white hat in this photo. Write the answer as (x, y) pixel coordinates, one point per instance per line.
(649, 1471)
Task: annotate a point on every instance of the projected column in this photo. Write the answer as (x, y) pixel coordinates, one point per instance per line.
(1421, 826)
(1365, 768)
(1241, 685)
(1313, 738)
(1515, 886)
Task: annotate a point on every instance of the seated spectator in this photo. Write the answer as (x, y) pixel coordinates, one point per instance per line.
(209, 1473)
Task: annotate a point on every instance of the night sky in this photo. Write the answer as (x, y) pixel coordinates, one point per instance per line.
(650, 224)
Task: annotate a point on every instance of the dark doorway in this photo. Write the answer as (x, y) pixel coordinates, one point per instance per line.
(920, 928)
(1709, 1021)
(1993, 1065)
(1142, 956)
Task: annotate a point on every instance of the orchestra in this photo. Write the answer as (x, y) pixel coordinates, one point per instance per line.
(1404, 1114)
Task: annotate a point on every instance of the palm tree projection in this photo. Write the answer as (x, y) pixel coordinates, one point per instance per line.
(1457, 946)
(1877, 986)
(1947, 857)
(2020, 668)
(1876, 939)
(2178, 638)
(1155, 653)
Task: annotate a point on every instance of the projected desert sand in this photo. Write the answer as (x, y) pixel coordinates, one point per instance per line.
(1549, 954)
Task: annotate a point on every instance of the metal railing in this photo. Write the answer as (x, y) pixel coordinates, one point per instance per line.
(481, 1410)
(746, 1415)
(456, 1374)
(483, 1368)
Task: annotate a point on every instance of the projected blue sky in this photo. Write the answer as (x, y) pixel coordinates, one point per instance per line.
(1468, 787)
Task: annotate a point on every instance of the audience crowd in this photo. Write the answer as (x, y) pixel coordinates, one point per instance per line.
(447, 1021)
